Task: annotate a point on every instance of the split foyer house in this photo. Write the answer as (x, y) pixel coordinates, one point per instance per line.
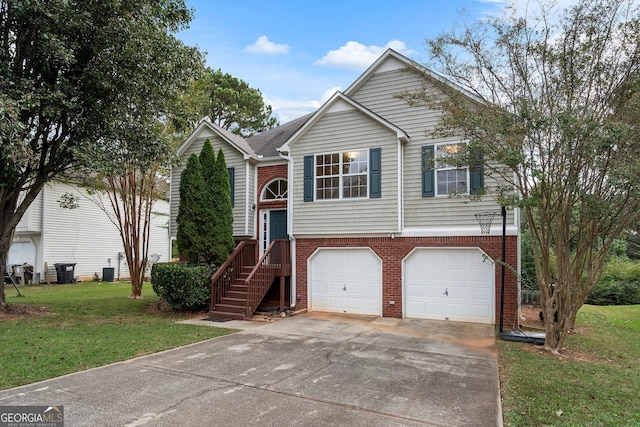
(367, 212)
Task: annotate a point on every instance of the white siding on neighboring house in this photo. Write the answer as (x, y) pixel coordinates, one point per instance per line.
(234, 159)
(85, 236)
(31, 221)
(346, 130)
(378, 94)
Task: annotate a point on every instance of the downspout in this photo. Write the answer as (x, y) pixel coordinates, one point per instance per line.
(41, 251)
(247, 202)
(289, 159)
(400, 188)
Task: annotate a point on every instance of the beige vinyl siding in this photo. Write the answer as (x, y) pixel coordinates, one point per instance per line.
(234, 159)
(335, 132)
(377, 94)
(87, 237)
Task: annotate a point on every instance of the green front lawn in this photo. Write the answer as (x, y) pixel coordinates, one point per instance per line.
(91, 324)
(598, 384)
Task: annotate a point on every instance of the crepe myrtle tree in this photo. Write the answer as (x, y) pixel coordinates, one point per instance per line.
(553, 97)
(81, 82)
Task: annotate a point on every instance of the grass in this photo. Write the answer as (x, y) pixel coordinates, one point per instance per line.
(91, 324)
(597, 385)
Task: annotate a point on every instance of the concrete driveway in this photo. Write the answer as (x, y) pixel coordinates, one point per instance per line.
(313, 369)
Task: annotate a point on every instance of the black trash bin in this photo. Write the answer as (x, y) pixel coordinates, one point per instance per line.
(65, 272)
(108, 274)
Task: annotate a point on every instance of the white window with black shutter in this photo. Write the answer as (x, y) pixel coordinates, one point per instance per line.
(354, 174)
(442, 178)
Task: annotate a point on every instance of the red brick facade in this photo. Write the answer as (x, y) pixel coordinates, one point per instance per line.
(265, 175)
(393, 251)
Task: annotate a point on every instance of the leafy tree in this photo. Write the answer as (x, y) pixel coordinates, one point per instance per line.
(79, 82)
(233, 105)
(193, 202)
(553, 98)
(223, 242)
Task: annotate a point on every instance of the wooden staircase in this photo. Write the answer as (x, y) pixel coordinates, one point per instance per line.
(240, 284)
(233, 305)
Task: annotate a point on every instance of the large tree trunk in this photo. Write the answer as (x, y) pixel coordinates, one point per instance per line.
(10, 215)
(5, 243)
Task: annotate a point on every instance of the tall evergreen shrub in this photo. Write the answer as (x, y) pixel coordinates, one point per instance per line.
(223, 242)
(193, 199)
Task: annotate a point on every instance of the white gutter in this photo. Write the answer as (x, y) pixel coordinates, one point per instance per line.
(247, 202)
(400, 188)
(41, 250)
(294, 297)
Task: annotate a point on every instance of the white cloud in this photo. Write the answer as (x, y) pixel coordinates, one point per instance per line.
(289, 109)
(357, 56)
(325, 97)
(264, 45)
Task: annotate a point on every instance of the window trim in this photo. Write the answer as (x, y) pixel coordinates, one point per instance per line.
(266, 187)
(341, 175)
(437, 169)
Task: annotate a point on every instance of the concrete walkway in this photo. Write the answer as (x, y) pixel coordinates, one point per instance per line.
(313, 369)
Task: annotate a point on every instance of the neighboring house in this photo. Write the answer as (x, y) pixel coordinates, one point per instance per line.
(84, 236)
(372, 223)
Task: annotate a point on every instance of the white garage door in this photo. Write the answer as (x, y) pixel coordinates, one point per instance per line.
(346, 281)
(449, 284)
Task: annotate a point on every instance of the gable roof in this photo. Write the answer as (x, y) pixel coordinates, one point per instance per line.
(266, 144)
(339, 96)
(390, 53)
(236, 141)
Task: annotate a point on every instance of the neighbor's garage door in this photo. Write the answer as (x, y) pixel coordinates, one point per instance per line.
(346, 281)
(449, 284)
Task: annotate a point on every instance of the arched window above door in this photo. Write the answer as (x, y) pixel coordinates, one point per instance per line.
(275, 190)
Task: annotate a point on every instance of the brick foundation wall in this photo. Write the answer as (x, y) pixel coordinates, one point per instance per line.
(393, 251)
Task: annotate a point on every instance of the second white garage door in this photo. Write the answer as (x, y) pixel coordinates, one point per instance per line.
(449, 284)
(345, 281)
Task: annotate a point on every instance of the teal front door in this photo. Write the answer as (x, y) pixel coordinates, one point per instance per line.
(277, 231)
(277, 225)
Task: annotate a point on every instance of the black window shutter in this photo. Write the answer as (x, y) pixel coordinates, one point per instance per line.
(232, 180)
(308, 178)
(476, 172)
(428, 174)
(375, 173)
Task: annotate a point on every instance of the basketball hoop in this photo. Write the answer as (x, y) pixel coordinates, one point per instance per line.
(485, 219)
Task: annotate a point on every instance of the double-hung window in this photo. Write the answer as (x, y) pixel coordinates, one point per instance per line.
(450, 179)
(353, 174)
(342, 175)
(441, 177)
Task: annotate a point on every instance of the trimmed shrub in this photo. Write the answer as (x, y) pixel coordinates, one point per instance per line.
(620, 284)
(182, 286)
(615, 293)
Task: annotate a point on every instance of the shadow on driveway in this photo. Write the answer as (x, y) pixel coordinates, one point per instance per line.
(314, 369)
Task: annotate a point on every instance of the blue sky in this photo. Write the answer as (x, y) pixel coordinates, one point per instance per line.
(297, 53)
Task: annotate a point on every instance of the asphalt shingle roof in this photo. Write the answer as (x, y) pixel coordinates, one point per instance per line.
(267, 143)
